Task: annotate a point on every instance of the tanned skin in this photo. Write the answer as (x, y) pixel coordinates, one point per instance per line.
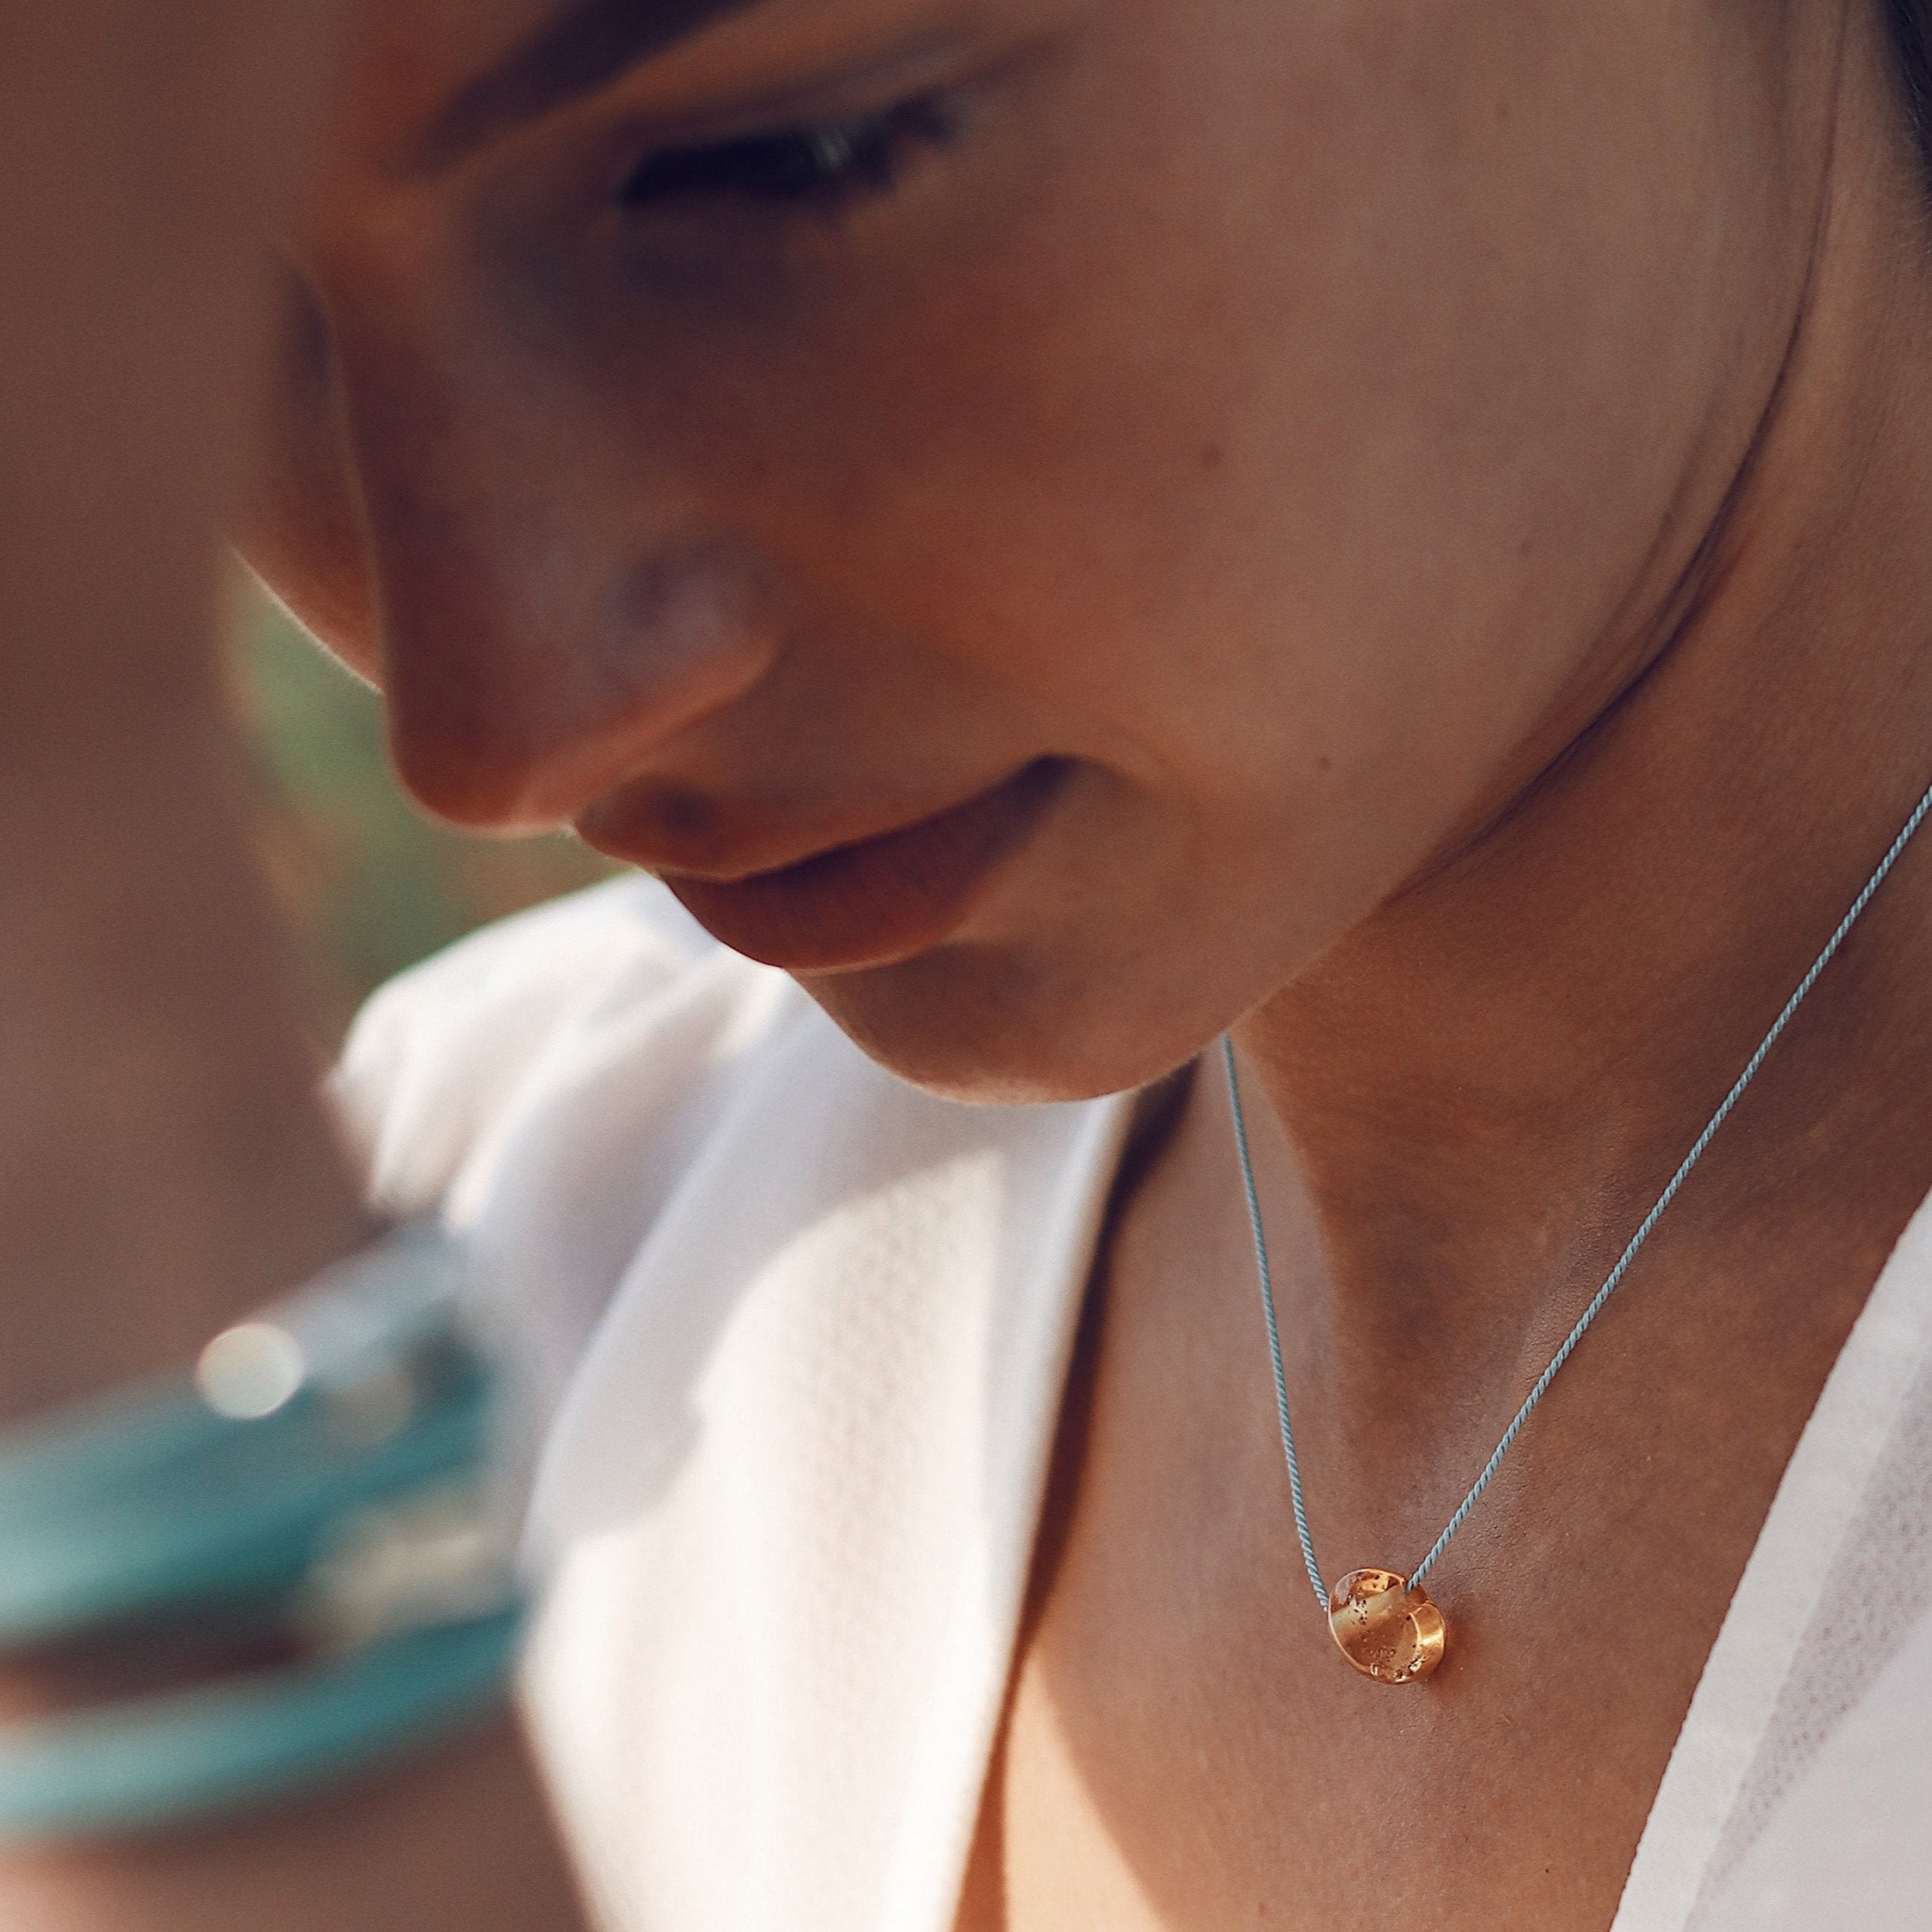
(1449, 508)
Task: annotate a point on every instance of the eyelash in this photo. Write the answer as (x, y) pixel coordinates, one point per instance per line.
(826, 165)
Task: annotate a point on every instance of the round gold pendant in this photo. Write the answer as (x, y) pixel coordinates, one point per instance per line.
(1387, 1630)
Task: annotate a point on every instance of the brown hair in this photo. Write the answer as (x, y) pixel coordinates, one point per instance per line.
(1912, 30)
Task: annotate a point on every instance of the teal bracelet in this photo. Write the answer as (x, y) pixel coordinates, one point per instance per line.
(235, 1529)
(397, 1304)
(322, 1472)
(156, 1502)
(210, 1752)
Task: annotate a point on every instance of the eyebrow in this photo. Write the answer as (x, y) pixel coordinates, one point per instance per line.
(591, 43)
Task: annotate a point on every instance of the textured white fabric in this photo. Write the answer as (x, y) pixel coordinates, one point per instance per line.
(1833, 1598)
(796, 1334)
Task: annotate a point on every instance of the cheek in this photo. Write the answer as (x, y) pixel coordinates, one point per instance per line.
(1255, 415)
(1288, 451)
(1305, 509)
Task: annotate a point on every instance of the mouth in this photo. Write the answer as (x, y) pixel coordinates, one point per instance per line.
(879, 900)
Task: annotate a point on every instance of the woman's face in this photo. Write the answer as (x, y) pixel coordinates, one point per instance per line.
(1034, 515)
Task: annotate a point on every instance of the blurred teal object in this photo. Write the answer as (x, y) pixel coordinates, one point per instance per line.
(369, 883)
(240, 1519)
(233, 1486)
(325, 1476)
(237, 1746)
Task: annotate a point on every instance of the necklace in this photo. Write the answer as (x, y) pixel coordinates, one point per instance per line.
(1384, 1622)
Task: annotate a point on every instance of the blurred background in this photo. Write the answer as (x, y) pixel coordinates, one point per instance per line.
(369, 884)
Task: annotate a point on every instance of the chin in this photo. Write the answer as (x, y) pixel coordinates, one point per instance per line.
(989, 1027)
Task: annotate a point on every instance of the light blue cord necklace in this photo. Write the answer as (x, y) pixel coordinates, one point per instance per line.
(1384, 1622)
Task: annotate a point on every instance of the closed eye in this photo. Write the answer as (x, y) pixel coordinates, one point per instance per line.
(832, 162)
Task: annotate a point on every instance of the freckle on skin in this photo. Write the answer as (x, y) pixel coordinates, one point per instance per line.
(1213, 456)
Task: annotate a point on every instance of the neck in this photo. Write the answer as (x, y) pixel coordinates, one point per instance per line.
(1473, 1098)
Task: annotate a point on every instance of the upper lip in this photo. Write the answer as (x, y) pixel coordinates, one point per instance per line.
(634, 832)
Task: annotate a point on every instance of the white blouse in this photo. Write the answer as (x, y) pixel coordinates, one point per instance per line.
(796, 1334)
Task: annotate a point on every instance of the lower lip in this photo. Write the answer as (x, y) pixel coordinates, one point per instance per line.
(880, 901)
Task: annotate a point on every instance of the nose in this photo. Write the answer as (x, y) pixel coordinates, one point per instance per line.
(550, 621)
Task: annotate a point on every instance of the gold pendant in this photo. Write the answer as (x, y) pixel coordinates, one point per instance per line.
(1387, 1630)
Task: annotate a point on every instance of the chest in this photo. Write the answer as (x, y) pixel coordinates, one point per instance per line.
(1147, 1790)
(1184, 1747)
